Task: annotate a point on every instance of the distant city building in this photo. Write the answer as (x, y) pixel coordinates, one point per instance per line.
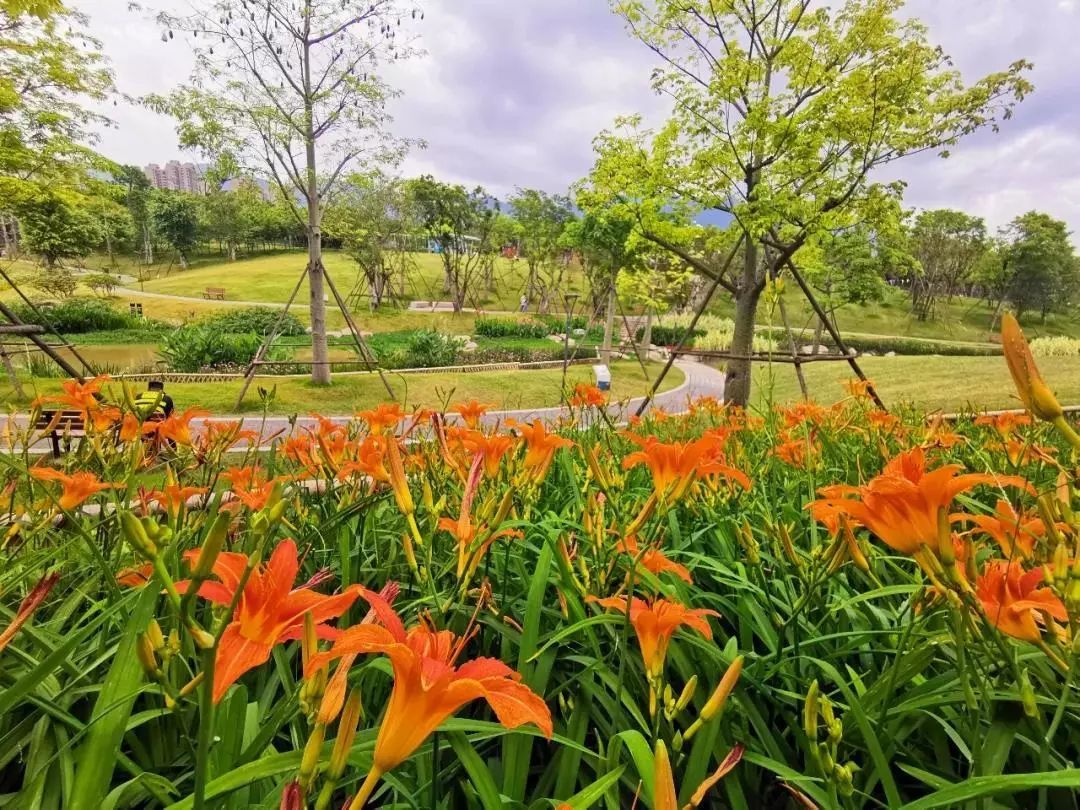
(176, 176)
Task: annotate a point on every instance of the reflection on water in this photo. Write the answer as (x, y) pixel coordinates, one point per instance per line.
(131, 357)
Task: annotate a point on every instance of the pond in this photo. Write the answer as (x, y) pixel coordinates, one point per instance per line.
(115, 358)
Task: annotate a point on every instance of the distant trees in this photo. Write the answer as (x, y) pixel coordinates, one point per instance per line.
(1034, 266)
(373, 218)
(542, 218)
(56, 226)
(461, 224)
(948, 246)
(175, 217)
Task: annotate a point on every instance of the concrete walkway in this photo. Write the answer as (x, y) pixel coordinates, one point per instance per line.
(699, 380)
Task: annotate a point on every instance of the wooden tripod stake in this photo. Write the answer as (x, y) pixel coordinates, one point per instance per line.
(362, 347)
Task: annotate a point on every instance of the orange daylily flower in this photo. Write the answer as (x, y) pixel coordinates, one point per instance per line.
(540, 447)
(270, 610)
(1013, 602)
(706, 404)
(175, 428)
(136, 576)
(901, 505)
(226, 434)
(674, 466)
(174, 496)
(29, 604)
(470, 412)
(665, 796)
(587, 396)
(492, 448)
(429, 686)
(1013, 532)
(860, 389)
(1022, 452)
(370, 460)
(385, 416)
(76, 487)
(77, 396)
(1005, 422)
(883, 420)
(130, 428)
(803, 412)
(653, 560)
(1030, 385)
(655, 623)
(793, 452)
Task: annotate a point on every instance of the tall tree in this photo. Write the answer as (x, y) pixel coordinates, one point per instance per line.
(373, 220)
(948, 245)
(56, 225)
(462, 225)
(1037, 268)
(175, 217)
(542, 217)
(781, 114)
(289, 87)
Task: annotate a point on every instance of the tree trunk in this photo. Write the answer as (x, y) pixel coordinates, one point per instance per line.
(148, 245)
(320, 355)
(737, 379)
(609, 326)
(646, 336)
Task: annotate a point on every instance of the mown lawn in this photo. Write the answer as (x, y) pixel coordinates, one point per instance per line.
(507, 390)
(930, 382)
(272, 278)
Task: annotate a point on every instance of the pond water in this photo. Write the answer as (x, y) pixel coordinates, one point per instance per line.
(129, 357)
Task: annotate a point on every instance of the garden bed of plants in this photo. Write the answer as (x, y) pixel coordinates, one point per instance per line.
(829, 607)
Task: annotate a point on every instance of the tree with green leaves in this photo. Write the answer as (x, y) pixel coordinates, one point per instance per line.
(782, 112)
(461, 223)
(372, 218)
(1036, 267)
(948, 246)
(542, 217)
(56, 225)
(175, 218)
(289, 89)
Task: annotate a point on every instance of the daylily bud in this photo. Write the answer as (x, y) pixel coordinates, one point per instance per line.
(677, 742)
(1033, 390)
(144, 651)
(135, 533)
(687, 694)
(309, 762)
(153, 633)
(292, 798)
(723, 689)
(1027, 695)
(350, 718)
(202, 638)
(810, 712)
(215, 541)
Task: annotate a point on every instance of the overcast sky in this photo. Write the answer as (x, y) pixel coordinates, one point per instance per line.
(511, 93)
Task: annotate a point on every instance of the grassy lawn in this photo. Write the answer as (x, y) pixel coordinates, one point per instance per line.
(947, 383)
(507, 390)
(272, 278)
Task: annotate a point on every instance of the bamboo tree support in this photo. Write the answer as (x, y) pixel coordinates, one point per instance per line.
(46, 347)
(9, 367)
(795, 359)
(834, 334)
(690, 328)
(253, 366)
(634, 345)
(365, 352)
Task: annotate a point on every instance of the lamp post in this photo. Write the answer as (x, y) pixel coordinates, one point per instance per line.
(570, 299)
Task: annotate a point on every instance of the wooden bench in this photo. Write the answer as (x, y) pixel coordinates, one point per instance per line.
(61, 423)
(214, 292)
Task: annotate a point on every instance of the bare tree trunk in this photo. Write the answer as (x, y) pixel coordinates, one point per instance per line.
(609, 326)
(646, 336)
(148, 245)
(320, 355)
(9, 367)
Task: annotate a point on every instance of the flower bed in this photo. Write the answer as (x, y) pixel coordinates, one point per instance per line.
(826, 607)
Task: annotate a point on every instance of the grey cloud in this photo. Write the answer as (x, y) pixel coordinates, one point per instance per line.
(512, 92)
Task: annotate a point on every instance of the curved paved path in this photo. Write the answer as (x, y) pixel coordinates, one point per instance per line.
(700, 380)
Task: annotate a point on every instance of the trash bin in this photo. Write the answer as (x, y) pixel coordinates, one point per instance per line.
(603, 377)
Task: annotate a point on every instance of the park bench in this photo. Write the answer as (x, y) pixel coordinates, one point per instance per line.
(432, 306)
(214, 292)
(54, 424)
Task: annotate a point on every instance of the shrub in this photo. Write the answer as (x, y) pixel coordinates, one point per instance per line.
(667, 335)
(101, 283)
(511, 327)
(430, 349)
(913, 346)
(556, 324)
(196, 348)
(254, 320)
(1055, 347)
(57, 282)
(79, 315)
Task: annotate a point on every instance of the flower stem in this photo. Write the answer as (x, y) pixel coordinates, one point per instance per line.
(366, 789)
(206, 728)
